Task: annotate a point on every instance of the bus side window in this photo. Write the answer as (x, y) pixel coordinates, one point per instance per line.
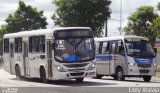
(33, 44)
(97, 47)
(105, 49)
(42, 44)
(6, 45)
(120, 48)
(117, 48)
(100, 48)
(113, 48)
(18, 45)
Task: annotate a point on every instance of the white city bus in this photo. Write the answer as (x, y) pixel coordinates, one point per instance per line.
(50, 54)
(125, 56)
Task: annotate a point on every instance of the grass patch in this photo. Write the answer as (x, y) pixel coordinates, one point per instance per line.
(158, 73)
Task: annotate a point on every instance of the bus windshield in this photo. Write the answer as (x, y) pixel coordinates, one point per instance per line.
(72, 49)
(139, 48)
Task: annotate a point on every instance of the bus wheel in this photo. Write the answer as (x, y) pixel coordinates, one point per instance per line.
(79, 80)
(147, 78)
(43, 75)
(98, 76)
(120, 74)
(18, 74)
(115, 77)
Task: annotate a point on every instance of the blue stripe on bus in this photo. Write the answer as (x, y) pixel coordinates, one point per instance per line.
(143, 60)
(103, 58)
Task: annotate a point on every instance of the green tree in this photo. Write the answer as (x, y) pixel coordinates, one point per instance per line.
(158, 6)
(25, 18)
(140, 23)
(155, 27)
(91, 13)
(156, 23)
(3, 29)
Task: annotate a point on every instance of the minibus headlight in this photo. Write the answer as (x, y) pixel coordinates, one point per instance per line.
(60, 69)
(154, 64)
(92, 66)
(130, 63)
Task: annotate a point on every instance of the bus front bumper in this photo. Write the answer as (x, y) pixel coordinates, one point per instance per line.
(141, 72)
(73, 75)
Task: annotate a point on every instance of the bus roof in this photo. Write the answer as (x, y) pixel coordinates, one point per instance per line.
(118, 38)
(40, 32)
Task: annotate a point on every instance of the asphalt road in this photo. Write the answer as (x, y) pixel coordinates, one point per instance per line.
(10, 81)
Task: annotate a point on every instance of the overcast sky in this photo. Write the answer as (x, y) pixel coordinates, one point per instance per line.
(128, 7)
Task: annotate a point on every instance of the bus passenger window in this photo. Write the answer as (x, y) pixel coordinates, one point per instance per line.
(100, 48)
(113, 50)
(33, 44)
(18, 45)
(6, 45)
(120, 48)
(41, 44)
(105, 48)
(97, 48)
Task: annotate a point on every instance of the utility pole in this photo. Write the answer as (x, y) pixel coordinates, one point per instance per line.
(106, 29)
(120, 28)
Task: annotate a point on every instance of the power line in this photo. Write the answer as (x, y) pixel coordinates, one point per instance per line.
(122, 12)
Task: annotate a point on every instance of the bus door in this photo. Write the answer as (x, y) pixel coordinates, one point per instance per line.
(11, 58)
(25, 58)
(103, 57)
(49, 58)
(118, 56)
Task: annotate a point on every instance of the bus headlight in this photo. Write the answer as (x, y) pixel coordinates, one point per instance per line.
(130, 63)
(154, 64)
(60, 69)
(92, 66)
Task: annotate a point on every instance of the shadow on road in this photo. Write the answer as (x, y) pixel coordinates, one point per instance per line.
(71, 82)
(138, 80)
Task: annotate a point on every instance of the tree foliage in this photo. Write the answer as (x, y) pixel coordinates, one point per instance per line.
(91, 13)
(156, 23)
(25, 18)
(141, 23)
(158, 6)
(155, 27)
(3, 29)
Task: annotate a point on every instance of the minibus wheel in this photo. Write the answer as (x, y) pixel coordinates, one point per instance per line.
(147, 78)
(79, 80)
(120, 74)
(98, 76)
(115, 77)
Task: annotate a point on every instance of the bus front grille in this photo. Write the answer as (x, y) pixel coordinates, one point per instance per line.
(144, 65)
(76, 65)
(144, 71)
(78, 69)
(77, 74)
(144, 68)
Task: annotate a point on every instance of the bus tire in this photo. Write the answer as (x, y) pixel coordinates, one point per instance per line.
(115, 77)
(43, 75)
(120, 75)
(98, 76)
(79, 80)
(18, 73)
(147, 78)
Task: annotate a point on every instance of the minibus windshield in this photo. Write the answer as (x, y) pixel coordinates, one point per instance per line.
(139, 48)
